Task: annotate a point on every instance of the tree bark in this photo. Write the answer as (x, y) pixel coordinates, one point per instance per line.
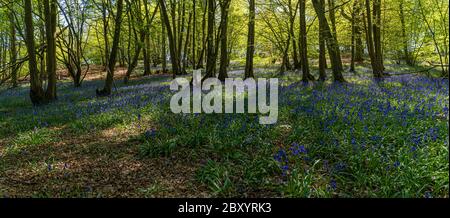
(13, 52)
(146, 46)
(210, 56)
(306, 76)
(194, 32)
(377, 36)
(113, 54)
(332, 44)
(224, 5)
(373, 40)
(37, 94)
(50, 30)
(406, 55)
(292, 16)
(322, 50)
(332, 16)
(186, 45)
(250, 41)
(171, 37)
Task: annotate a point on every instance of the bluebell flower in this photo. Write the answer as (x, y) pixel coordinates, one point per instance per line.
(339, 166)
(297, 149)
(333, 184)
(281, 156)
(284, 169)
(150, 133)
(396, 164)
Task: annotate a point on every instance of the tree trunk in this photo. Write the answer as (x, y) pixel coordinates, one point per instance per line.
(306, 76)
(146, 49)
(135, 59)
(210, 56)
(13, 52)
(186, 45)
(181, 26)
(292, 16)
(406, 54)
(194, 32)
(202, 50)
(371, 28)
(250, 41)
(105, 32)
(332, 16)
(332, 44)
(353, 25)
(163, 47)
(359, 48)
(224, 5)
(377, 36)
(322, 50)
(170, 36)
(113, 54)
(50, 30)
(36, 92)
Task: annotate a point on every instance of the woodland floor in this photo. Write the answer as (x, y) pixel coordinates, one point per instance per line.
(129, 145)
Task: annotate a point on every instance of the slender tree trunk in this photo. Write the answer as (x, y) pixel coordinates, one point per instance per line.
(203, 48)
(303, 44)
(332, 44)
(292, 16)
(36, 92)
(173, 9)
(211, 56)
(163, 48)
(250, 41)
(186, 45)
(42, 55)
(377, 36)
(332, 16)
(113, 54)
(13, 52)
(146, 54)
(50, 30)
(135, 58)
(171, 37)
(406, 54)
(105, 32)
(322, 50)
(371, 28)
(146, 50)
(194, 32)
(359, 48)
(352, 63)
(181, 28)
(224, 5)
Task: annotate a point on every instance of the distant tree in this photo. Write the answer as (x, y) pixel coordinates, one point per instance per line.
(73, 43)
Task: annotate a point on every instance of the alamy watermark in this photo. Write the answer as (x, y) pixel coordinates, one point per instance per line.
(212, 102)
